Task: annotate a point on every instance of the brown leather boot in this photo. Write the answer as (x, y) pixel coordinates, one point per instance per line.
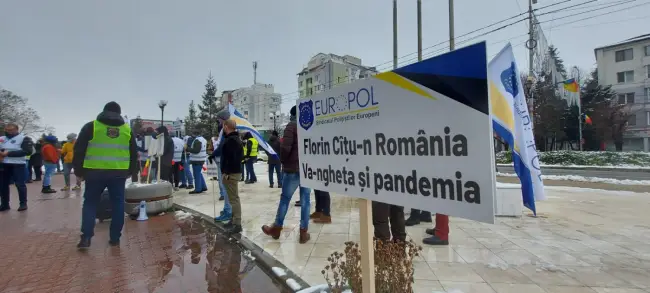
(273, 231)
(323, 219)
(304, 236)
(315, 215)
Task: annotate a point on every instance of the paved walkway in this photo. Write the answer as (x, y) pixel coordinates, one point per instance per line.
(584, 241)
(38, 253)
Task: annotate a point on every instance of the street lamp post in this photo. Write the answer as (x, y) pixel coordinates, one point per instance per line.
(274, 116)
(162, 104)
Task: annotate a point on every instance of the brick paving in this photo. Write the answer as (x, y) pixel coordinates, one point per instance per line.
(38, 253)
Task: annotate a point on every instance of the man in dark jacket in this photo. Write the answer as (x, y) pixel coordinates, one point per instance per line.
(14, 149)
(36, 161)
(274, 161)
(168, 154)
(226, 213)
(104, 156)
(231, 156)
(290, 182)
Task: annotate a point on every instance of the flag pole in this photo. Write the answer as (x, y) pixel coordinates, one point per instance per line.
(579, 119)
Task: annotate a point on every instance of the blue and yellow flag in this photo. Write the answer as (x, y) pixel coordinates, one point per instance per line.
(244, 124)
(512, 122)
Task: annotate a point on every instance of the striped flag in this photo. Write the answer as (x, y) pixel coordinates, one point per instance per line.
(243, 124)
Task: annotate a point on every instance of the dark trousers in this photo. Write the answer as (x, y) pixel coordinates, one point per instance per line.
(92, 196)
(166, 173)
(382, 215)
(176, 173)
(35, 164)
(12, 173)
(277, 168)
(250, 171)
(322, 202)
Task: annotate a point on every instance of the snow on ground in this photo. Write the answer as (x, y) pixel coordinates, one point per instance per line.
(279, 271)
(625, 167)
(571, 189)
(585, 179)
(182, 215)
(293, 284)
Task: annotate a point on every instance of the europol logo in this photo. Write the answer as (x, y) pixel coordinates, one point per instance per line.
(306, 118)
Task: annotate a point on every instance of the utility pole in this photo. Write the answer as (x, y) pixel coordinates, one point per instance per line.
(254, 72)
(531, 45)
(394, 34)
(452, 45)
(419, 30)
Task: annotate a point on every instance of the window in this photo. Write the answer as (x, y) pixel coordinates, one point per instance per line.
(625, 76)
(632, 120)
(647, 94)
(647, 69)
(626, 98)
(300, 83)
(647, 50)
(647, 118)
(624, 55)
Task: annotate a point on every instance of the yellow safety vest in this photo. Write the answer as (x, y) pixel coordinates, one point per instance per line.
(109, 148)
(254, 147)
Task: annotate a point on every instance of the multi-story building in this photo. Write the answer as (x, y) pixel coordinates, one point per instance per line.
(325, 71)
(258, 103)
(626, 67)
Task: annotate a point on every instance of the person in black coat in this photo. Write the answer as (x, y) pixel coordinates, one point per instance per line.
(274, 160)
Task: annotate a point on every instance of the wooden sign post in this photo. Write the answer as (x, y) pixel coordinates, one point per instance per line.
(367, 246)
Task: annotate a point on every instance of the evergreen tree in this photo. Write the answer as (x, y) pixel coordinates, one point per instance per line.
(191, 120)
(207, 118)
(559, 63)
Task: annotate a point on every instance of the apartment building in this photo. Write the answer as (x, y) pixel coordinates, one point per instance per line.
(325, 71)
(259, 103)
(626, 67)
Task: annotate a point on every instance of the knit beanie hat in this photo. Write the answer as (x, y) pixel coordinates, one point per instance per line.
(293, 111)
(113, 107)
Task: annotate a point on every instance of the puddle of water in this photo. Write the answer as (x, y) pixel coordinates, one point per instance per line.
(202, 260)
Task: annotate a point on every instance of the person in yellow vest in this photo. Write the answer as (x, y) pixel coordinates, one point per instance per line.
(105, 155)
(250, 156)
(67, 151)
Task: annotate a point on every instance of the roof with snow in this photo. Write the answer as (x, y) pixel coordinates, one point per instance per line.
(624, 42)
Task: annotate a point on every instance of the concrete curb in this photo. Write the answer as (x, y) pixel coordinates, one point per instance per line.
(596, 168)
(262, 258)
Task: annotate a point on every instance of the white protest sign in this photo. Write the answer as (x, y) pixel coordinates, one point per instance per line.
(419, 137)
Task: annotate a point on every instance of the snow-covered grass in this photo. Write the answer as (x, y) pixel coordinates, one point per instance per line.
(585, 179)
(575, 158)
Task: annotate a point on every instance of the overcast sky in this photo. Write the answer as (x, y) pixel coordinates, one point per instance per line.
(70, 57)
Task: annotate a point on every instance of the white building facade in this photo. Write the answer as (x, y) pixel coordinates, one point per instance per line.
(258, 103)
(626, 67)
(325, 71)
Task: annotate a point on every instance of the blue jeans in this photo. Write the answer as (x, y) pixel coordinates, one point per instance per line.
(13, 173)
(250, 172)
(277, 168)
(92, 196)
(50, 168)
(227, 208)
(291, 182)
(186, 175)
(199, 181)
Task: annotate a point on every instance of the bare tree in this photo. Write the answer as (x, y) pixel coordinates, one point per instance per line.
(14, 108)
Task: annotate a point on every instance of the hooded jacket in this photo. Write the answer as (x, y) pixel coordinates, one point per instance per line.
(168, 153)
(289, 147)
(86, 134)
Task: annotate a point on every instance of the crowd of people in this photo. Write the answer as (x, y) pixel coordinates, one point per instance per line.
(107, 152)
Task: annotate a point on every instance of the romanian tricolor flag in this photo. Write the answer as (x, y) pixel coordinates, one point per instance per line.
(587, 119)
(145, 170)
(571, 85)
